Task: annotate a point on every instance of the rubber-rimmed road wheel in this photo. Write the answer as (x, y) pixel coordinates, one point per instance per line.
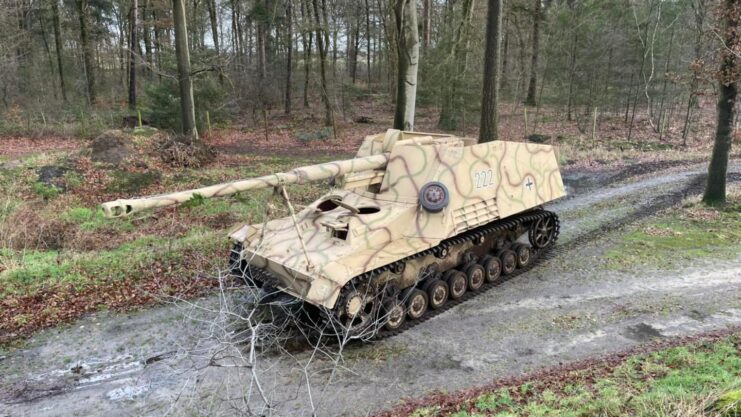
(524, 255)
(476, 277)
(493, 268)
(509, 261)
(457, 283)
(394, 313)
(417, 303)
(437, 293)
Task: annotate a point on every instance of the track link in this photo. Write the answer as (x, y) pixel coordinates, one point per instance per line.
(494, 227)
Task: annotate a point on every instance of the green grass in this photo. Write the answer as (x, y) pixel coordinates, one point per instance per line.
(81, 264)
(680, 237)
(687, 380)
(36, 270)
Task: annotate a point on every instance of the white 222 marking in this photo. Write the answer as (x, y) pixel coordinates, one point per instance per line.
(482, 179)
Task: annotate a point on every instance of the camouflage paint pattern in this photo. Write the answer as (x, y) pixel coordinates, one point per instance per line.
(375, 217)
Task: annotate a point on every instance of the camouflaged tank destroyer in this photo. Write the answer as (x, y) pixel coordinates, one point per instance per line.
(414, 221)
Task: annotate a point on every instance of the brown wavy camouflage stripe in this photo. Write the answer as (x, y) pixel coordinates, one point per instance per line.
(503, 178)
(485, 181)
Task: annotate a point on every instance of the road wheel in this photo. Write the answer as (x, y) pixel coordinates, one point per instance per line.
(524, 255)
(437, 293)
(509, 261)
(457, 283)
(417, 303)
(476, 277)
(493, 268)
(394, 314)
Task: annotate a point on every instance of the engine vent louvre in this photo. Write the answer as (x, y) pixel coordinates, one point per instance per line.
(476, 214)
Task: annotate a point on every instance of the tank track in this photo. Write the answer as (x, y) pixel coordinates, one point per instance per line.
(472, 235)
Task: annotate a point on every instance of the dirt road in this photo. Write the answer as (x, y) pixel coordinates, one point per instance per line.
(569, 306)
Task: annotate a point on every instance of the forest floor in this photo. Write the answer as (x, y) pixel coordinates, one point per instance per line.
(638, 260)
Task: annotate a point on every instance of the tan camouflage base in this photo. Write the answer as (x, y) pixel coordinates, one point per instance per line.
(376, 218)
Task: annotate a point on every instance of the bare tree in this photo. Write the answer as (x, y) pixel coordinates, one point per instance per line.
(715, 191)
(405, 12)
(530, 100)
(87, 50)
(58, 46)
(490, 95)
(132, 55)
(187, 106)
(321, 42)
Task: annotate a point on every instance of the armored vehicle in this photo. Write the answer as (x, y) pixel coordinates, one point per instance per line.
(414, 221)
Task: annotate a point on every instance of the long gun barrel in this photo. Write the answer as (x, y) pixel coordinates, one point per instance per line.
(125, 207)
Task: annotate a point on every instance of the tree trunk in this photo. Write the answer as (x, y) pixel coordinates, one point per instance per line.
(146, 35)
(532, 86)
(490, 95)
(426, 23)
(715, 190)
(87, 51)
(187, 107)
(408, 53)
(58, 46)
(211, 4)
(132, 56)
(321, 45)
(306, 40)
(289, 58)
(157, 42)
(453, 102)
(368, 41)
(212, 15)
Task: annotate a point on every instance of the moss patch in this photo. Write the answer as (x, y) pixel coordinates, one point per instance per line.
(679, 236)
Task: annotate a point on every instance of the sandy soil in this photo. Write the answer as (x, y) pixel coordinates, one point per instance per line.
(568, 307)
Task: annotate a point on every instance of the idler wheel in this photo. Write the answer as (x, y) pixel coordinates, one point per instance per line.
(359, 309)
(437, 293)
(476, 277)
(524, 255)
(417, 303)
(543, 232)
(457, 283)
(395, 314)
(493, 268)
(509, 261)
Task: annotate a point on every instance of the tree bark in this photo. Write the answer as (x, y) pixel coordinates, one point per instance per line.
(86, 51)
(187, 106)
(426, 23)
(490, 96)
(289, 58)
(58, 46)
(321, 45)
(715, 190)
(532, 86)
(408, 53)
(132, 56)
(368, 41)
(211, 4)
(453, 102)
(306, 40)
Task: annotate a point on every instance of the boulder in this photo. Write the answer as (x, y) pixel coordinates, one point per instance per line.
(111, 147)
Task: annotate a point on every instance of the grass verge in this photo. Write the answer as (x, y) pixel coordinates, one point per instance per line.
(701, 377)
(681, 235)
(61, 258)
